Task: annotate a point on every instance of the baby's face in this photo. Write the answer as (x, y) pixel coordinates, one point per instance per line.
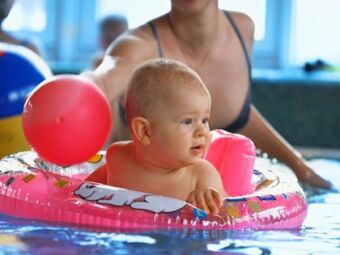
(180, 132)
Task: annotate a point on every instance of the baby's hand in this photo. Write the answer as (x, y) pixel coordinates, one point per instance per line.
(209, 200)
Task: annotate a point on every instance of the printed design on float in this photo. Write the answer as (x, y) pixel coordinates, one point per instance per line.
(95, 159)
(254, 206)
(133, 199)
(28, 178)
(233, 211)
(266, 198)
(285, 196)
(9, 181)
(199, 213)
(15, 165)
(61, 183)
(234, 206)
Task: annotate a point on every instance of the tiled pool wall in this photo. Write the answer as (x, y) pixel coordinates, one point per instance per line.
(304, 111)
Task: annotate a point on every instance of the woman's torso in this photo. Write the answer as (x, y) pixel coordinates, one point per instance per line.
(224, 71)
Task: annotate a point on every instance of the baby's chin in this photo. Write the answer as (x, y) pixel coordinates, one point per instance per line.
(192, 160)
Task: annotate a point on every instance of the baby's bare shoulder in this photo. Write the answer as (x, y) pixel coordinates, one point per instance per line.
(118, 150)
(203, 166)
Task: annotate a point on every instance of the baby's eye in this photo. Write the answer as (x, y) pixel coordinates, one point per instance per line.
(187, 121)
(205, 120)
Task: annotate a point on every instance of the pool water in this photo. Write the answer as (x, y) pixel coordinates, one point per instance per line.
(320, 233)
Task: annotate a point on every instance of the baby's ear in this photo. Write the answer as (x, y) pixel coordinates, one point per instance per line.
(140, 128)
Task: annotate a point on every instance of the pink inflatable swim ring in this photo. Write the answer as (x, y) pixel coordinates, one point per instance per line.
(234, 157)
(258, 198)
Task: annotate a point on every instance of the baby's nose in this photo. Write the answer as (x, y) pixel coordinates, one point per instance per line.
(202, 130)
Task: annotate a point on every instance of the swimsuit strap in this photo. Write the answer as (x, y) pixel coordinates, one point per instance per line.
(242, 119)
(240, 38)
(122, 113)
(153, 29)
(155, 35)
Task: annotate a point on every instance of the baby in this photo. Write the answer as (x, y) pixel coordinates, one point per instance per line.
(168, 108)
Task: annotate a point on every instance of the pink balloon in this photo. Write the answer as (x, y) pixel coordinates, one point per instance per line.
(66, 119)
(233, 155)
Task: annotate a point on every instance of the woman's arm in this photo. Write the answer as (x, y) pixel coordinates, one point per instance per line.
(270, 141)
(125, 53)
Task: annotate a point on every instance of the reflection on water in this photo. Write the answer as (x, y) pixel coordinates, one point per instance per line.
(320, 233)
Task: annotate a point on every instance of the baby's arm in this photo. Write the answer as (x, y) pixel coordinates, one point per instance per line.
(116, 154)
(99, 175)
(209, 192)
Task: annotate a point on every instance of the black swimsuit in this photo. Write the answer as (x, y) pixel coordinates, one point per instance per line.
(243, 117)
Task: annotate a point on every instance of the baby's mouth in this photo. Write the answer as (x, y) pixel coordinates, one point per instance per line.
(197, 149)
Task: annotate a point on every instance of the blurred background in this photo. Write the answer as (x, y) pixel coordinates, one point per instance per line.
(288, 33)
(296, 58)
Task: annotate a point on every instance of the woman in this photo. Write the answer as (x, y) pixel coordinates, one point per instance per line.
(217, 45)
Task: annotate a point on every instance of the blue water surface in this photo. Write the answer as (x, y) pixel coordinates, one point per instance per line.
(320, 233)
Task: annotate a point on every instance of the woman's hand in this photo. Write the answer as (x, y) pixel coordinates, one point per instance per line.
(306, 175)
(209, 200)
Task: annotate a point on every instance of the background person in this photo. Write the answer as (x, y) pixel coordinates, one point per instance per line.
(110, 28)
